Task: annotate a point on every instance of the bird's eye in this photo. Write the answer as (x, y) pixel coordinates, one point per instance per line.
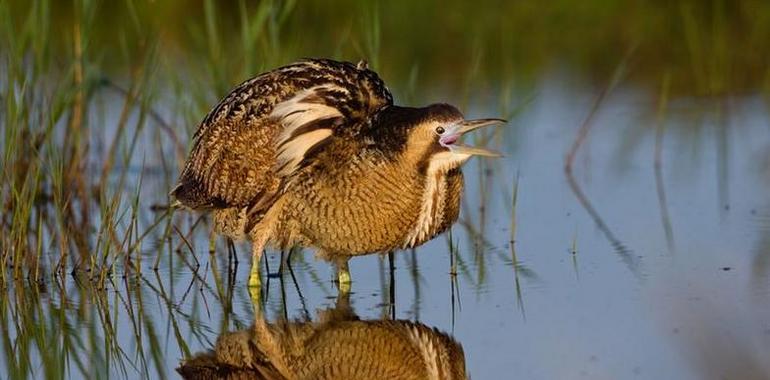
(440, 130)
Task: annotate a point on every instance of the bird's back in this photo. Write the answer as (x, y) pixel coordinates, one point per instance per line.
(249, 146)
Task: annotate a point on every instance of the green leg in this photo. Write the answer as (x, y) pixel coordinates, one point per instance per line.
(255, 281)
(258, 243)
(343, 275)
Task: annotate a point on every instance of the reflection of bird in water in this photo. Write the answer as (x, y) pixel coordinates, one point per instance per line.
(316, 154)
(336, 346)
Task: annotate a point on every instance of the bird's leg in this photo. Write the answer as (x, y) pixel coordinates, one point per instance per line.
(255, 282)
(392, 288)
(343, 274)
(256, 255)
(282, 263)
(342, 305)
(342, 311)
(269, 343)
(232, 252)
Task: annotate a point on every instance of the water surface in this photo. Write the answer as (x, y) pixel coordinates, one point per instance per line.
(615, 273)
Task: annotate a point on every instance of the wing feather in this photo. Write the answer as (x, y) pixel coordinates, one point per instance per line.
(270, 127)
(306, 123)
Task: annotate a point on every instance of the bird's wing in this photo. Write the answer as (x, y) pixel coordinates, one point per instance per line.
(269, 127)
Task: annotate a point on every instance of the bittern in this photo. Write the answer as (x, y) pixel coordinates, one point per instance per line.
(337, 345)
(315, 154)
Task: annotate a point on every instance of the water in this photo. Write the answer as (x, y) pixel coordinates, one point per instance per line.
(606, 295)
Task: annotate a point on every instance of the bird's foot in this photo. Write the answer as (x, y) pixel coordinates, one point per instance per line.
(256, 296)
(255, 287)
(343, 281)
(343, 277)
(254, 278)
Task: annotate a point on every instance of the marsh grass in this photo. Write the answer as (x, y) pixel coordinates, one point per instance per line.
(452, 247)
(658, 162)
(70, 181)
(99, 100)
(74, 166)
(512, 242)
(65, 169)
(514, 202)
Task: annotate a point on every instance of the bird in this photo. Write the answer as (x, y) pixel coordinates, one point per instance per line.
(337, 345)
(316, 154)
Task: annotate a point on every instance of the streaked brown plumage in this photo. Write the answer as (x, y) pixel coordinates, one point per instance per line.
(316, 154)
(336, 346)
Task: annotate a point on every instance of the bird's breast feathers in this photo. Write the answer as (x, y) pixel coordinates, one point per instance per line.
(436, 210)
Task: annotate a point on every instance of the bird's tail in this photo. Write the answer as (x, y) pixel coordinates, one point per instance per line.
(173, 194)
(189, 193)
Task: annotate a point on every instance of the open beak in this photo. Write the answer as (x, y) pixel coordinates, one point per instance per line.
(453, 134)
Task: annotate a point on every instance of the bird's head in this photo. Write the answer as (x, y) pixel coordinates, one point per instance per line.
(431, 135)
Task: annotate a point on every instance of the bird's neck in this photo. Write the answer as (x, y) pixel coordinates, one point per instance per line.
(441, 186)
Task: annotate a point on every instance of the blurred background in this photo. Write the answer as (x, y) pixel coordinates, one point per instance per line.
(626, 234)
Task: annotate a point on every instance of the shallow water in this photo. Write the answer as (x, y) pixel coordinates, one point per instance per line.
(601, 294)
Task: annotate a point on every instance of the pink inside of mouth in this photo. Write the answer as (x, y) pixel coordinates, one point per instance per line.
(449, 140)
